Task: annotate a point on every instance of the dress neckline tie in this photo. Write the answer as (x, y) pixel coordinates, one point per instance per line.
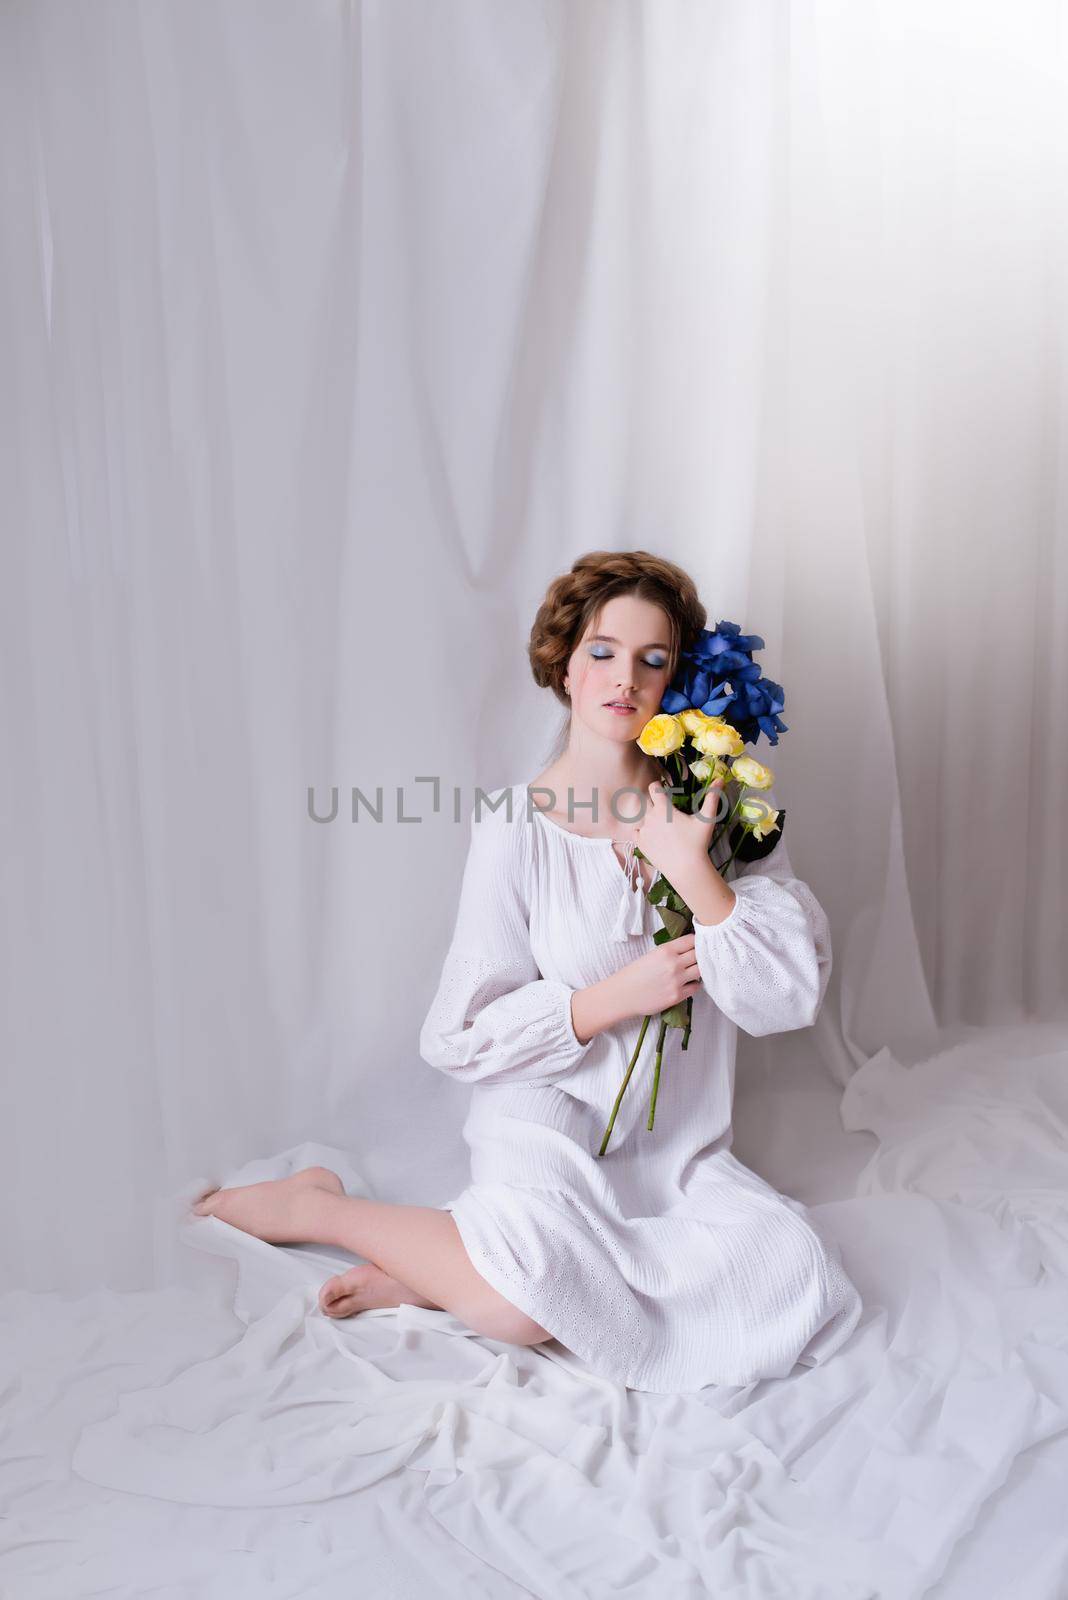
(630, 914)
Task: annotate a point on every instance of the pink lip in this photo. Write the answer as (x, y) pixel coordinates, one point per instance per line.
(620, 711)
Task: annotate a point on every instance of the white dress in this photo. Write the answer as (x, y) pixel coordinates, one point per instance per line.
(664, 1264)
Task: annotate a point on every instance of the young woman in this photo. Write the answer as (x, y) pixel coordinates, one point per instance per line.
(664, 1264)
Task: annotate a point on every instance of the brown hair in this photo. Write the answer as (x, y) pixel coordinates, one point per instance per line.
(574, 597)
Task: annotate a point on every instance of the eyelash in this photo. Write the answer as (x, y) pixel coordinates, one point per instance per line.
(607, 656)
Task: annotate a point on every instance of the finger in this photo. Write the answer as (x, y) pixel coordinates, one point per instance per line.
(710, 802)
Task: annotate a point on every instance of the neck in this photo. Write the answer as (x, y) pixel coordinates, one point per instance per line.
(602, 767)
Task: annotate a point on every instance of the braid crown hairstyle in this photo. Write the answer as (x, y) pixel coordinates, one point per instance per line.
(575, 598)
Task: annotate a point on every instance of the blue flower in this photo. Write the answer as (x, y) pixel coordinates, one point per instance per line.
(719, 676)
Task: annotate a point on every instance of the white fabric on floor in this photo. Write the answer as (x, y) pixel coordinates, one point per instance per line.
(327, 327)
(397, 1452)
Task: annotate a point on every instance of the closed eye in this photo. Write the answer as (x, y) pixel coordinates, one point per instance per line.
(606, 655)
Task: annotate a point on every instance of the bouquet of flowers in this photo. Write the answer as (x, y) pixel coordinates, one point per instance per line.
(717, 702)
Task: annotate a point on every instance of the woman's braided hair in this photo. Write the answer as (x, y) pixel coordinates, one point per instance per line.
(575, 597)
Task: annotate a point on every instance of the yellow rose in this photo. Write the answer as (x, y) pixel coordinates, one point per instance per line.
(718, 738)
(758, 817)
(693, 720)
(711, 771)
(753, 774)
(662, 735)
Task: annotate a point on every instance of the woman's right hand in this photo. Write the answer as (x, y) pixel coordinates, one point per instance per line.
(660, 978)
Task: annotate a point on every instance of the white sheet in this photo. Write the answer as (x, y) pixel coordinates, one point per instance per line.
(279, 1452)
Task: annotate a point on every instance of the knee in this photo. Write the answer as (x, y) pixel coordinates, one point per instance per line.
(527, 1331)
(510, 1325)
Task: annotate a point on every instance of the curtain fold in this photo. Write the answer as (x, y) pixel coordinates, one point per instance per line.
(328, 336)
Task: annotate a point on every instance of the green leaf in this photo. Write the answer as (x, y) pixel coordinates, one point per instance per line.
(675, 922)
(676, 1016)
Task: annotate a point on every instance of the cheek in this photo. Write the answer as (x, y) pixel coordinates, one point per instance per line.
(594, 680)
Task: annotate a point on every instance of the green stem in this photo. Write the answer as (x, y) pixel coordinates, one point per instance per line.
(623, 1087)
(726, 828)
(733, 811)
(656, 1073)
(689, 1022)
(734, 852)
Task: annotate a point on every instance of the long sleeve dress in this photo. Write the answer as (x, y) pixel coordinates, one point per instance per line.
(664, 1264)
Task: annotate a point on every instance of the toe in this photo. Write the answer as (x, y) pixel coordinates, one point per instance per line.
(343, 1305)
(340, 1293)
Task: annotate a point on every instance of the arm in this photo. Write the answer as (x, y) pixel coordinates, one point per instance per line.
(599, 1006)
(494, 1018)
(765, 956)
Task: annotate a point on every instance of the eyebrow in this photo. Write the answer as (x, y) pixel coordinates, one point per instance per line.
(606, 638)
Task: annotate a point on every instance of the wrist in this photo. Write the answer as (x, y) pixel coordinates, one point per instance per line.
(705, 891)
(597, 1007)
(616, 1007)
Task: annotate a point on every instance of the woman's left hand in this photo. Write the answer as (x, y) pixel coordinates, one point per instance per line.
(677, 841)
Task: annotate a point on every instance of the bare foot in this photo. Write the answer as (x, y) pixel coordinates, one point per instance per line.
(366, 1288)
(271, 1211)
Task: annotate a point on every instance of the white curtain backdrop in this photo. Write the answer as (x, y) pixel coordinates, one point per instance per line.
(329, 334)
